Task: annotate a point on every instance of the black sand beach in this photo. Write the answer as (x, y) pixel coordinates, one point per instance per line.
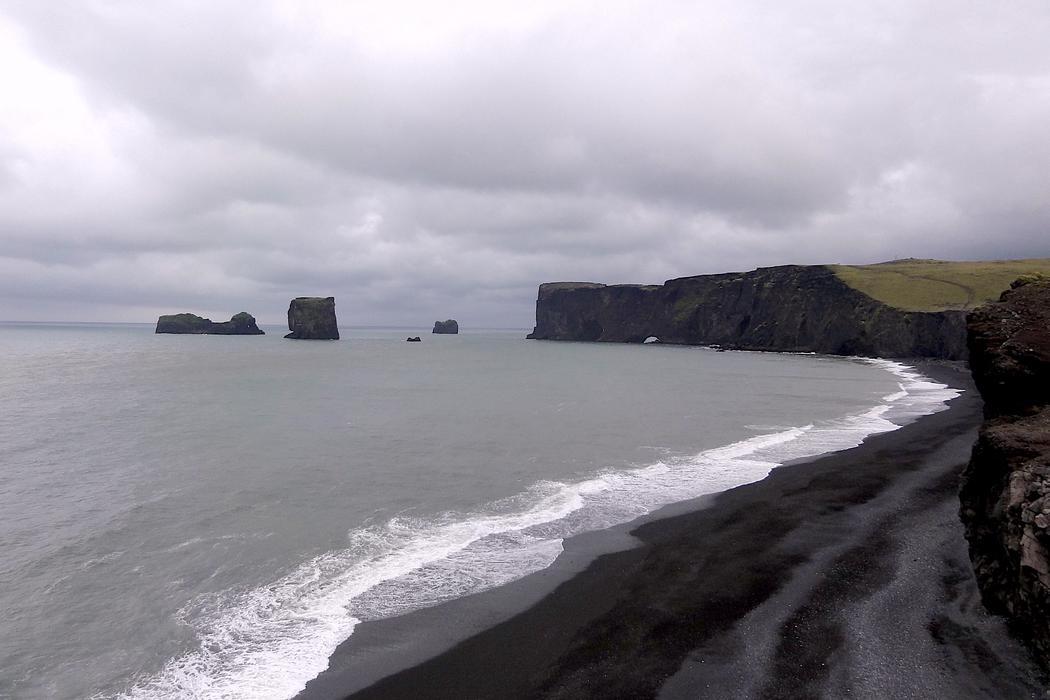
(846, 576)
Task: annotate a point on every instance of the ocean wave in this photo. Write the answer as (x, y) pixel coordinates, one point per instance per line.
(268, 642)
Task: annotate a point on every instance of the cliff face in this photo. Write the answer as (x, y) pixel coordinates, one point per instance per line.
(790, 308)
(312, 318)
(1005, 495)
(241, 324)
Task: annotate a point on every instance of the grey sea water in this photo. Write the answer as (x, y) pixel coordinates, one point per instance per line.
(205, 516)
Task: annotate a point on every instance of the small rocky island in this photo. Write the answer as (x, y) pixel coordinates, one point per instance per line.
(448, 327)
(241, 324)
(312, 318)
(1006, 487)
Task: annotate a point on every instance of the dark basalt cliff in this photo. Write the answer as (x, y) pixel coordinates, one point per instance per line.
(448, 327)
(1005, 495)
(241, 324)
(312, 318)
(790, 308)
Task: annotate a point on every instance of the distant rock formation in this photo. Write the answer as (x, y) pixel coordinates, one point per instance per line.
(449, 327)
(241, 324)
(414, 339)
(790, 308)
(312, 318)
(1005, 495)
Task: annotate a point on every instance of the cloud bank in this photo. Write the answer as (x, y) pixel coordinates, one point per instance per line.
(425, 160)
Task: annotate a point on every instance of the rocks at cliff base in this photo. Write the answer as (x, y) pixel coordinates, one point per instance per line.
(186, 323)
(449, 327)
(312, 318)
(1005, 494)
(791, 308)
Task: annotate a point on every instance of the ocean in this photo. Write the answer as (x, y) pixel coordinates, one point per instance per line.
(210, 516)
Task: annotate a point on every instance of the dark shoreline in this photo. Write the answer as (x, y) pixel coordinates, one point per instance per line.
(844, 575)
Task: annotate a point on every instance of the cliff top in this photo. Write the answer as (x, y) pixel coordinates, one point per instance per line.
(938, 285)
(910, 284)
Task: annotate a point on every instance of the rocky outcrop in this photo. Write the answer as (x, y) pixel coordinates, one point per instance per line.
(1005, 494)
(449, 327)
(312, 318)
(789, 308)
(414, 339)
(241, 324)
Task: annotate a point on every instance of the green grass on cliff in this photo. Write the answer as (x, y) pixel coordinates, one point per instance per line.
(938, 285)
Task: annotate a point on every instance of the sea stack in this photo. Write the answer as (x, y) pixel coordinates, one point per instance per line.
(241, 324)
(312, 318)
(1005, 494)
(449, 327)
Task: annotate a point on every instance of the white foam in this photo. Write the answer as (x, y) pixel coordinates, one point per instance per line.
(269, 641)
(896, 396)
(919, 395)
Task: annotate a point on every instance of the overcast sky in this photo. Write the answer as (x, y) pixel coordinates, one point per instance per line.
(423, 160)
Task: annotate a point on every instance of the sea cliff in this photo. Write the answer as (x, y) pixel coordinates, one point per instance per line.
(790, 308)
(1005, 495)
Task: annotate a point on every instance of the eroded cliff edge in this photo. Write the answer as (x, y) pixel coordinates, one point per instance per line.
(791, 308)
(1005, 494)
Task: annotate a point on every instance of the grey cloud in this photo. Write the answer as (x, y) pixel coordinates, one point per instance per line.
(530, 114)
(244, 153)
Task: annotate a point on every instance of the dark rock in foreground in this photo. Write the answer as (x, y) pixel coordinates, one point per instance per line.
(449, 327)
(1005, 495)
(414, 339)
(790, 308)
(1011, 365)
(241, 324)
(312, 318)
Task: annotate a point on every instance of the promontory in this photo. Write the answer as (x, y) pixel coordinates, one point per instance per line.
(241, 324)
(903, 308)
(312, 318)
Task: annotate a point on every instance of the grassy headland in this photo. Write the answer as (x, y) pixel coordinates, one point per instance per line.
(938, 285)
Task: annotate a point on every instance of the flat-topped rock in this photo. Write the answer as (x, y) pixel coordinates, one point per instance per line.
(448, 327)
(186, 323)
(312, 318)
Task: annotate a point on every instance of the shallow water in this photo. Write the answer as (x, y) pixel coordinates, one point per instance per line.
(209, 516)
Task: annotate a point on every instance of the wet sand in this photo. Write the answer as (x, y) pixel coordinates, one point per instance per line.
(845, 576)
